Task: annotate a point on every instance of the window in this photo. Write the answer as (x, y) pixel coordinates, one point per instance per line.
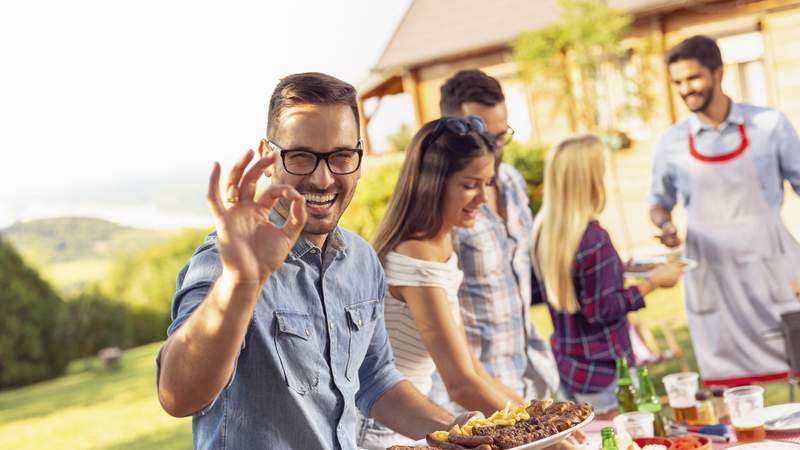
(745, 78)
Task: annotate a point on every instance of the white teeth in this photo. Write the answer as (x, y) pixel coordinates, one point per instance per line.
(320, 198)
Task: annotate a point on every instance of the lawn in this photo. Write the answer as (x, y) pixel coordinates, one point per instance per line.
(91, 408)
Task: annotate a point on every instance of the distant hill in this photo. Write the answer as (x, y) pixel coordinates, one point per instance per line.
(73, 251)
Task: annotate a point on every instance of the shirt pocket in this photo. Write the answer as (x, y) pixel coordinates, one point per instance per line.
(361, 320)
(299, 356)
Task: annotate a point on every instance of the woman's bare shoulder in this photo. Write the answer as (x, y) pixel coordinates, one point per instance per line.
(417, 249)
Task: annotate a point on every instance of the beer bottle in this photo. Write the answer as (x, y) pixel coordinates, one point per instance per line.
(648, 400)
(626, 393)
(609, 440)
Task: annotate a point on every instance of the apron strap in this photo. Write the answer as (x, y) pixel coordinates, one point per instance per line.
(724, 156)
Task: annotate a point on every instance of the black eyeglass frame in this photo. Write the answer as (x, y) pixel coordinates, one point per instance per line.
(507, 136)
(358, 150)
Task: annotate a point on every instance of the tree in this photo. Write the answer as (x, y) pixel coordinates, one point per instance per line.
(400, 139)
(145, 282)
(30, 345)
(573, 51)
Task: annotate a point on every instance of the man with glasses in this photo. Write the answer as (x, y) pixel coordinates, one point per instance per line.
(495, 256)
(278, 332)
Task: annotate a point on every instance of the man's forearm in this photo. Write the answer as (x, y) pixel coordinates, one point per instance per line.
(404, 409)
(197, 360)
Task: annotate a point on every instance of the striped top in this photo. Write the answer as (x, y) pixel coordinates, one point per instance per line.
(411, 356)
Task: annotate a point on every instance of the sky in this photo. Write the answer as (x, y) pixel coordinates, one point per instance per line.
(100, 96)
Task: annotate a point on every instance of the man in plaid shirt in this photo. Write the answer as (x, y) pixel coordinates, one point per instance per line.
(495, 256)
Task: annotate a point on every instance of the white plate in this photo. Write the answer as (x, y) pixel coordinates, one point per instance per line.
(777, 411)
(542, 443)
(768, 445)
(689, 264)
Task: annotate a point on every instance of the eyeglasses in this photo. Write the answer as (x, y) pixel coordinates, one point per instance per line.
(504, 136)
(461, 127)
(305, 162)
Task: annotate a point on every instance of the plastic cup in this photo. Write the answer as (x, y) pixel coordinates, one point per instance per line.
(746, 407)
(638, 424)
(681, 389)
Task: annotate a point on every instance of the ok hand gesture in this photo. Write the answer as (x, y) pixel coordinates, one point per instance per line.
(250, 246)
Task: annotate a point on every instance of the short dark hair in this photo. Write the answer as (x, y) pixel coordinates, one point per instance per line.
(702, 48)
(309, 88)
(469, 86)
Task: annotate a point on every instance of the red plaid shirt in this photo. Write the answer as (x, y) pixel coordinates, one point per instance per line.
(587, 343)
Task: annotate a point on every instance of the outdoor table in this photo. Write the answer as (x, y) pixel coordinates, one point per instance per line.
(593, 432)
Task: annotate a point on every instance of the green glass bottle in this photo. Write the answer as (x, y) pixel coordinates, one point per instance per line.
(648, 400)
(626, 393)
(609, 440)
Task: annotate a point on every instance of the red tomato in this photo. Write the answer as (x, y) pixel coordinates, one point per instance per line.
(685, 443)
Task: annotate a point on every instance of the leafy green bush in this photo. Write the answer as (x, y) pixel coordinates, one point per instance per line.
(529, 160)
(30, 348)
(145, 282)
(93, 322)
(400, 139)
(370, 200)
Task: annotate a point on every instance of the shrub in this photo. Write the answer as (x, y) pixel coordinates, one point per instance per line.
(370, 200)
(529, 160)
(145, 282)
(93, 322)
(400, 139)
(30, 348)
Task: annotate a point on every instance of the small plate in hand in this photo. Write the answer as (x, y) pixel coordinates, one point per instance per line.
(643, 267)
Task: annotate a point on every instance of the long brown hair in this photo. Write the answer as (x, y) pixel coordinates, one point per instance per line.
(414, 209)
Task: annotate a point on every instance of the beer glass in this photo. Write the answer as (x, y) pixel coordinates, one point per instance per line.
(746, 406)
(638, 424)
(681, 388)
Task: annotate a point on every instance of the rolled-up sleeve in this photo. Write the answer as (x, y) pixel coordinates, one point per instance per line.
(663, 192)
(788, 152)
(192, 287)
(604, 299)
(377, 373)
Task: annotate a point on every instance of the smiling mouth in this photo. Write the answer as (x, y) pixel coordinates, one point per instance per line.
(320, 200)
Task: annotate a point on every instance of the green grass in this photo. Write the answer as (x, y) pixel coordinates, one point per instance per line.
(93, 409)
(70, 276)
(666, 305)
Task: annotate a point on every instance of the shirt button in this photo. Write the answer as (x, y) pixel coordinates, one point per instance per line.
(331, 324)
(308, 333)
(360, 322)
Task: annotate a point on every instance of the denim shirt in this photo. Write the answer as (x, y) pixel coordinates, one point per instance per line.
(316, 348)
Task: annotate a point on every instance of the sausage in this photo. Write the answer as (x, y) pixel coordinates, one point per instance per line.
(444, 445)
(470, 441)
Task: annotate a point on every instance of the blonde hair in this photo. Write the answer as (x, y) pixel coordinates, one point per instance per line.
(574, 194)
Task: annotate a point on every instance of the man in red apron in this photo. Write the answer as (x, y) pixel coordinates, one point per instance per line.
(728, 162)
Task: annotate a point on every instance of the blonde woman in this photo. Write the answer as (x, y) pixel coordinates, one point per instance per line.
(579, 274)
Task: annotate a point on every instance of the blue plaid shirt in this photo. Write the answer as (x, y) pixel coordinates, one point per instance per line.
(496, 292)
